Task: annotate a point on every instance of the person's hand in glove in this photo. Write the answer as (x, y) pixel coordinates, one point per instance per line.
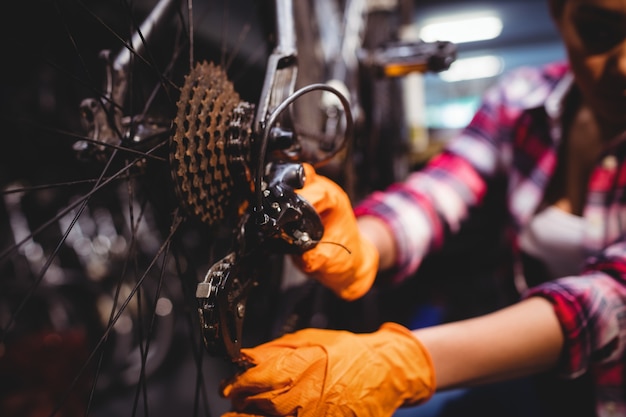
(344, 260)
(315, 372)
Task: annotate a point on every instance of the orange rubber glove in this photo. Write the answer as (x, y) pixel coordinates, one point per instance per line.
(343, 261)
(316, 372)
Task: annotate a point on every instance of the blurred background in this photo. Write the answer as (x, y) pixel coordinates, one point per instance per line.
(492, 37)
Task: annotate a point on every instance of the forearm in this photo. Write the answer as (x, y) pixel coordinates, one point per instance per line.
(520, 340)
(377, 232)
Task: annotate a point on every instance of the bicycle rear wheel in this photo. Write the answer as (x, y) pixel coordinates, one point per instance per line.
(99, 261)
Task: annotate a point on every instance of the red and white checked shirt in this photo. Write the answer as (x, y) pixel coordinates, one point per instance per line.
(515, 136)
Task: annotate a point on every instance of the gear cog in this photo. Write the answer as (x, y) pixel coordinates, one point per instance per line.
(210, 144)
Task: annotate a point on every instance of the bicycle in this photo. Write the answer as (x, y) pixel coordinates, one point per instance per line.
(106, 267)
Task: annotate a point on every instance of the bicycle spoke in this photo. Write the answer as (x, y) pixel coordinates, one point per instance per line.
(144, 354)
(116, 297)
(191, 37)
(157, 88)
(72, 39)
(175, 225)
(44, 269)
(256, 57)
(75, 136)
(28, 189)
(196, 344)
(242, 36)
(123, 41)
(99, 185)
(113, 239)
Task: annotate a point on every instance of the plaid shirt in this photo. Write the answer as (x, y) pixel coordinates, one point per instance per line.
(515, 135)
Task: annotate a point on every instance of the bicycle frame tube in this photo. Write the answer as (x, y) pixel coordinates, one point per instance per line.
(280, 77)
(152, 24)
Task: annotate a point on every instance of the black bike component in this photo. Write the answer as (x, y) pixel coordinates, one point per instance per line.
(290, 222)
(291, 225)
(221, 306)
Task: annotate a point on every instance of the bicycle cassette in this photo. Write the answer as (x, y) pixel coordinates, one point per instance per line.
(210, 146)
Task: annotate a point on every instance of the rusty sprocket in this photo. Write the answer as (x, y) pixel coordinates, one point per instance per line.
(210, 144)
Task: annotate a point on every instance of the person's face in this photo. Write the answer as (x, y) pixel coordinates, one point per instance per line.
(594, 34)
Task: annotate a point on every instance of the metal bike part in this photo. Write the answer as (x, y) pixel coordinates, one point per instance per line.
(278, 88)
(290, 222)
(281, 69)
(341, 36)
(221, 307)
(102, 117)
(292, 226)
(211, 144)
(329, 152)
(397, 59)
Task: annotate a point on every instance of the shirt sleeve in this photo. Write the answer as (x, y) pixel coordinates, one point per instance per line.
(592, 311)
(421, 210)
(433, 202)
